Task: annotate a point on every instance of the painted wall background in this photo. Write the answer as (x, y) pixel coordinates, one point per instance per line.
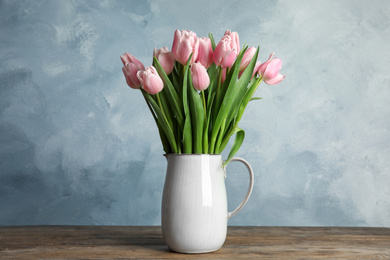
(77, 146)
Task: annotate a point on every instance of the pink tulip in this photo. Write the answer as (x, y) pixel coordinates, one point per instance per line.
(150, 80)
(235, 40)
(257, 65)
(128, 58)
(200, 77)
(166, 59)
(248, 55)
(130, 69)
(224, 54)
(184, 43)
(269, 70)
(205, 53)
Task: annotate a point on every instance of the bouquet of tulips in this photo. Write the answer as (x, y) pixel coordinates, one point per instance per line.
(198, 91)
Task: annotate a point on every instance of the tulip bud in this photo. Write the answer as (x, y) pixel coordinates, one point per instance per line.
(130, 69)
(269, 70)
(128, 58)
(205, 53)
(248, 55)
(150, 80)
(200, 77)
(166, 59)
(224, 54)
(185, 43)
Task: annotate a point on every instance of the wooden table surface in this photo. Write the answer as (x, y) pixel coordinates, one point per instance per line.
(108, 242)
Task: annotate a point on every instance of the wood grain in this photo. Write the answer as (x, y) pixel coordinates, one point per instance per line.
(127, 242)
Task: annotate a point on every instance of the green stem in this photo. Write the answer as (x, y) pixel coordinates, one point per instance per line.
(205, 135)
(219, 80)
(163, 137)
(214, 114)
(162, 122)
(204, 103)
(167, 116)
(220, 137)
(161, 106)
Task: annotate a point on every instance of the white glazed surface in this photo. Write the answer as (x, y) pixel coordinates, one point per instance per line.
(194, 207)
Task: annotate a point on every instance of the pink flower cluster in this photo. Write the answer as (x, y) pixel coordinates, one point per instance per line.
(186, 43)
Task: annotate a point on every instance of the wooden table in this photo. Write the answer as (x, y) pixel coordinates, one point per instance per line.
(108, 242)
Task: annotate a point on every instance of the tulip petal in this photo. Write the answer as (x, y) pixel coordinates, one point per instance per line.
(140, 76)
(229, 58)
(217, 58)
(183, 52)
(247, 58)
(200, 77)
(272, 69)
(153, 84)
(167, 60)
(185, 43)
(128, 58)
(205, 52)
(128, 81)
(279, 78)
(176, 40)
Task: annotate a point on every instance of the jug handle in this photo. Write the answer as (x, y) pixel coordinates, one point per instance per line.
(251, 178)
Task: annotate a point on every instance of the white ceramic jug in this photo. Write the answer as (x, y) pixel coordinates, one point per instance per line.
(194, 210)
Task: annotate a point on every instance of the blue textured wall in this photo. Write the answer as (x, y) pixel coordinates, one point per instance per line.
(77, 146)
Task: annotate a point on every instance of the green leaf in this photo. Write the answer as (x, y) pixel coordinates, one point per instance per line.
(176, 80)
(240, 95)
(211, 90)
(163, 137)
(240, 135)
(255, 98)
(213, 45)
(230, 130)
(171, 92)
(166, 108)
(168, 113)
(220, 137)
(187, 135)
(231, 80)
(162, 122)
(241, 87)
(207, 123)
(220, 92)
(187, 129)
(248, 95)
(212, 71)
(197, 114)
